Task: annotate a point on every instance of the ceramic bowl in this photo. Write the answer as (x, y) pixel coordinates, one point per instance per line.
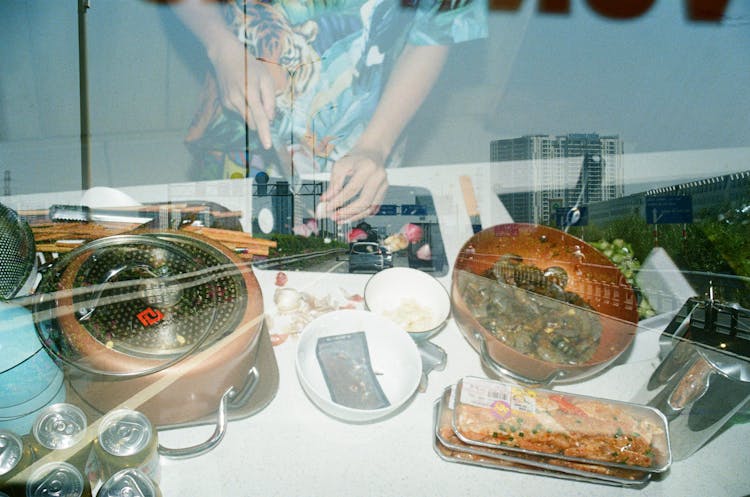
(413, 299)
(393, 355)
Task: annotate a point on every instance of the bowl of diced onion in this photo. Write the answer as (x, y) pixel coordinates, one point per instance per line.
(413, 299)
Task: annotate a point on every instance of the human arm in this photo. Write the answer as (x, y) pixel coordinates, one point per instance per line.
(244, 83)
(358, 180)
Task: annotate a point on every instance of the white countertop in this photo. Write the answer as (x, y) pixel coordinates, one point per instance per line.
(291, 448)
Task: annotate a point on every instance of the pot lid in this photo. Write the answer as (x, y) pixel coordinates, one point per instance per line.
(134, 304)
(18, 340)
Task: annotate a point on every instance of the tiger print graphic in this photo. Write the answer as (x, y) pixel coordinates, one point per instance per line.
(288, 51)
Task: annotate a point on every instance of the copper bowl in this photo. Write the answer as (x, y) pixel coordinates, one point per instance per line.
(172, 382)
(590, 275)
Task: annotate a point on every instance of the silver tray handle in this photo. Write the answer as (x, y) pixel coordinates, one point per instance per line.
(211, 443)
(230, 397)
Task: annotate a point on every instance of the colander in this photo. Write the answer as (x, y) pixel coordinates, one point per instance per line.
(125, 311)
(17, 255)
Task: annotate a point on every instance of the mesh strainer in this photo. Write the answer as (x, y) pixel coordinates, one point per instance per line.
(17, 254)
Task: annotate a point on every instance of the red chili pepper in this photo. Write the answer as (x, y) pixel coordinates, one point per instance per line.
(567, 406)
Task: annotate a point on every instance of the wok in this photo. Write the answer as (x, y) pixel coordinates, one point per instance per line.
(590, 275)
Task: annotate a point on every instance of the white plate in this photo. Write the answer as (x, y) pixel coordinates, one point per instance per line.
(393, 355)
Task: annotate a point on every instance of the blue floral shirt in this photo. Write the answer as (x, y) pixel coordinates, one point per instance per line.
(330, 60)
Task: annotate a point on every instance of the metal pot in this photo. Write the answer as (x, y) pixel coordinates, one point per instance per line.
(589, 274)
(165, 322)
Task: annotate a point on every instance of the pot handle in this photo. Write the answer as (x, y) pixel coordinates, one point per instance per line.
(216, 437)
(500, 371)
(230, 397)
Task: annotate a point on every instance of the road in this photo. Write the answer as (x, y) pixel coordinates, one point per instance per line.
(336, 263)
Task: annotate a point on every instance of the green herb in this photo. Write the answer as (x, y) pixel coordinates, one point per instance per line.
(520, 434)
(618, 433)
(520, 421)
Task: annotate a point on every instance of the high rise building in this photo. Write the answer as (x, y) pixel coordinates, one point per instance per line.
(563, 171)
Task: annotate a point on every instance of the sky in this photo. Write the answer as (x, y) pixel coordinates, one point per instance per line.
(660, 81)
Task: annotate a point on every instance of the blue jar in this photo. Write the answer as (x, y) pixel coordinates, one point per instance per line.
(29, 378)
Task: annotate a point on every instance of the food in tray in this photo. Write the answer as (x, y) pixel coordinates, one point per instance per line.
(452, 445)
(548, 423)
(529, 310)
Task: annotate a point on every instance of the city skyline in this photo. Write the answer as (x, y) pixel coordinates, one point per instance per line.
(563, 172)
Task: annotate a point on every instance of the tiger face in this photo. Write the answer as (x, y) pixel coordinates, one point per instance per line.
(293, 62)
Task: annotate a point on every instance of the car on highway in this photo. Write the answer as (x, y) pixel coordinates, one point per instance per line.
(369, 256)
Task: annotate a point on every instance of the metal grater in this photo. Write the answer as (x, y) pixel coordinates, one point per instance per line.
(713, 324)
(704, 375)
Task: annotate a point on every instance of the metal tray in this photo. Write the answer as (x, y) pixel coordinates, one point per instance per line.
(505, 401)
(544, 466)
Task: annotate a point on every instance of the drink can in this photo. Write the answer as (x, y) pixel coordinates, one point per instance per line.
(15, 456)
(60, 479)
(59, 427)
(127, 440)
(129, 482)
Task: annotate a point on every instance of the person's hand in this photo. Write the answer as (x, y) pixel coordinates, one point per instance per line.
(357, 186)
(250, 93)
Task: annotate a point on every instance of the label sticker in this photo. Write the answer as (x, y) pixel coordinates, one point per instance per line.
(501, 398)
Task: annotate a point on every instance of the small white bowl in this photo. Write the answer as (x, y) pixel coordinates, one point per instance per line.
(400, 294)
(393, 355)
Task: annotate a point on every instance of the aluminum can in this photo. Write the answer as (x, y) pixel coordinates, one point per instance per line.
(60, 479)
(15, 456)
(129, 482)
(59, 427)
(127, 440)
